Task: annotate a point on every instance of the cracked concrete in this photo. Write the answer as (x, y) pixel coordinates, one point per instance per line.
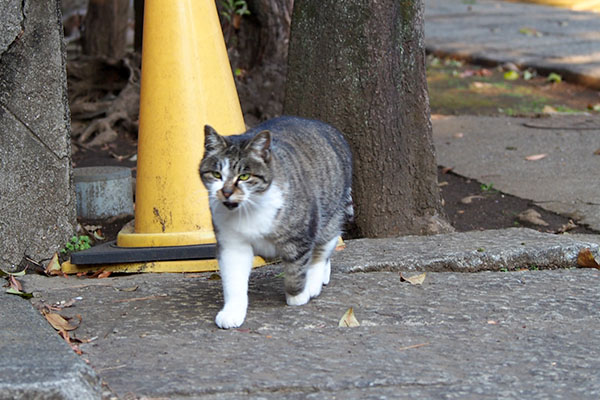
(37, 200)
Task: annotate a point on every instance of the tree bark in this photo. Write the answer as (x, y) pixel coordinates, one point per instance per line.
(105, 28)
(360, 65)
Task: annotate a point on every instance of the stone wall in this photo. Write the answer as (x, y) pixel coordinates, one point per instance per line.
(37, 202)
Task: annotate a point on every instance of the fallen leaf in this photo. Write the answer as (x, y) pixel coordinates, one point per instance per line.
(214, 277)
(531, 216)
(586, 259)
(98, 235)
(58, 322)
(527, 75)
(53, 267)
(15, 284)
(536, 157)
(481, 85)
(549, 110)
(458, 135)
(348, 319)
(511, 75)
(340, 244)
(128, 289)
(597, 152)
(594, 107)
(530, 32)
(567, 227)
(445, 170)
(554, 78)
(469, 199)
(104, 274)
(442, 184)
(19, 293)
(415, 279)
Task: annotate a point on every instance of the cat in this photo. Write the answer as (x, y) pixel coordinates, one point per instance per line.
(280, 190)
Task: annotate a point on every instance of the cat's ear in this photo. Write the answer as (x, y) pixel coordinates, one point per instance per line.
(212, 140)
(261, 145)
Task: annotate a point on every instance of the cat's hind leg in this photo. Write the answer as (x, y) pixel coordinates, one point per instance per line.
(295, 279)
(322, 255)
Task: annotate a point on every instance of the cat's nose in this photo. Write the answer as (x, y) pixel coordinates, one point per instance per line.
(227, 191)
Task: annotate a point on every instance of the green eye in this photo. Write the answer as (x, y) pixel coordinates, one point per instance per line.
(216, 174)
(244, 177)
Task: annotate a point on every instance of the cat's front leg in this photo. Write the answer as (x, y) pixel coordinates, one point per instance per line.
(235, 263)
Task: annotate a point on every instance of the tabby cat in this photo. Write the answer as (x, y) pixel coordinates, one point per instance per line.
(280, 190)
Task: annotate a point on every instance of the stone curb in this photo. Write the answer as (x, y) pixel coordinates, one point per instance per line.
(36, 363)
(475, 251)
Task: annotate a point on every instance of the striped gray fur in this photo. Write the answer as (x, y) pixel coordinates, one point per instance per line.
(310, 165)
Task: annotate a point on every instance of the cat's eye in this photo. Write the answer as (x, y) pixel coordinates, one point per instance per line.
(244, 177)
(216, 174)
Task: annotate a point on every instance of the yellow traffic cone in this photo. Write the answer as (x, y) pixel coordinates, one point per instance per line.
(186, 83)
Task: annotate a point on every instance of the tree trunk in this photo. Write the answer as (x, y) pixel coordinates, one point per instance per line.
(105, 28)
(360, 65)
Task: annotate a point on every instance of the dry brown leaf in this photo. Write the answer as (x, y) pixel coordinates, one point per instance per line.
(597, 152)
(586, 259)
(104, 274)
(59, 323)
(14, 283)
(535, 157)
(445, 170)
(469, 199)
(128, 289)
(415, 279)
(53, 267)
(531, 216)
(348, 319)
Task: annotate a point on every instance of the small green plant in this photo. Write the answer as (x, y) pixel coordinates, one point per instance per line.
(487, 187)
(503, 269)
(233, 11)
(233, 7)
(77, 243)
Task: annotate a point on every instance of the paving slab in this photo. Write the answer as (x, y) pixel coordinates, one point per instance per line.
(527, 334)
(494, 150)
(549, 39)
(36, 363)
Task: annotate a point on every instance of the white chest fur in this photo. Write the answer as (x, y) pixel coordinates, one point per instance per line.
(251, 222)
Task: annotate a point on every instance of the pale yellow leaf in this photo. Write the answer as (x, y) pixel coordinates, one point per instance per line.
(348, 319)
(535, 157)
(415, 279)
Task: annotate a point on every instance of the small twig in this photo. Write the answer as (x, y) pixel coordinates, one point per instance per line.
(414, 346)
(140, 298)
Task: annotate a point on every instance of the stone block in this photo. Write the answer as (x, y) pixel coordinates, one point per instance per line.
(37, 204)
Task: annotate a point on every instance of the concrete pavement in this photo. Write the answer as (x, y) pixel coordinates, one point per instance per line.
(525, 334)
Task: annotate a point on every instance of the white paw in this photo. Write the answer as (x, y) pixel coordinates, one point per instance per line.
(300, 299)
(314, 280)
(230, 317)
(327, 273)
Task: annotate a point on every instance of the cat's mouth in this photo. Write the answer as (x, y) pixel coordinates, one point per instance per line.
(230, 205)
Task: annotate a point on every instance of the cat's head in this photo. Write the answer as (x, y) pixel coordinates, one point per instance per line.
(235, 168)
